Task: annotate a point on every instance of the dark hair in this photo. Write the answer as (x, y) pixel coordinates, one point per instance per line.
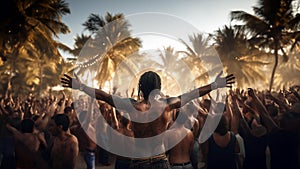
(27, 125)
(273, 111)
(35, 117)
(62, 119)
(68, 110)
(148, 82)
(124, 121)
(222, 128)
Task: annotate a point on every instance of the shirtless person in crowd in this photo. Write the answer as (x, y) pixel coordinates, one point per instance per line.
(179, 156)
(124, 128)
(153, 104)
(27, 145)
(65, 149)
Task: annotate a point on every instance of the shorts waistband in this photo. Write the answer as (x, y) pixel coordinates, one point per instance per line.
(149, 159)
(180, 164)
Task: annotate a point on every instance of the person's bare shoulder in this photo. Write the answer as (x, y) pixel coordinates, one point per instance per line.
(189, 134)
(72, 139)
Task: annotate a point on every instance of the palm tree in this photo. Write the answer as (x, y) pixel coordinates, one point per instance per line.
(27, 37)
(30, 20)
(274, 27)
(199, 57)
(172, 69)
(111, 37)
(238, 57)
(80, 41)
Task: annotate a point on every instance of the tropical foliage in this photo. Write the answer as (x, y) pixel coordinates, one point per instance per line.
(109, 45)
(274, 27)
(200, 57)
(238, 57)
(28, 46)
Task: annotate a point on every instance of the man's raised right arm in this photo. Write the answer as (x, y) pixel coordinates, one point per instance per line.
(124, 104)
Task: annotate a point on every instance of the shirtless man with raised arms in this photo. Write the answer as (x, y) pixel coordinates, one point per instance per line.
(148, 115)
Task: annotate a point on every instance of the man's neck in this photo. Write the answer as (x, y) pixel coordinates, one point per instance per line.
(63, 135)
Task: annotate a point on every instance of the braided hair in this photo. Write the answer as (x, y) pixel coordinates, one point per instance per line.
(148, 82)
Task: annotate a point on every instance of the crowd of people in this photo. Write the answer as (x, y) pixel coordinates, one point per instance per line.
(256, 130)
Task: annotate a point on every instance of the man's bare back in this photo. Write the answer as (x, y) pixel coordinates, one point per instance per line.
(182, 151)
(151, 116)
(27, 145)
(27, 150)
(64, 151)
(147, 112)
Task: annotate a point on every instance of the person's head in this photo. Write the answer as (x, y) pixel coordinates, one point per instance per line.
(68, 110)
(27, 125)
(62, 121)
(148, 82)
(35, 117)
(222, 127)
(272, 109)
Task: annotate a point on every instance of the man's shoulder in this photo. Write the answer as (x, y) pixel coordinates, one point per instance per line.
(72, 139)
(189, 134)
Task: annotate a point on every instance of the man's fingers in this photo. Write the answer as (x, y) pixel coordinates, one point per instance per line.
(230, 77)
(67, 76)
(66, 85)
(230, 82)
(230, 86)
(65, 82)
(64, 79)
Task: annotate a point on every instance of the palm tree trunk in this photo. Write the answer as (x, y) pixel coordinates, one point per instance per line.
(275, 65)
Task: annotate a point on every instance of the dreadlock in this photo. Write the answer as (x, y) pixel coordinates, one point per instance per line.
(148, 82)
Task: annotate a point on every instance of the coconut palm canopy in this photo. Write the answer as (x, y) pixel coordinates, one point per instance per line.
(275, 26)
(238, 57)
(28, 44)
(31, 60)
(108, 44)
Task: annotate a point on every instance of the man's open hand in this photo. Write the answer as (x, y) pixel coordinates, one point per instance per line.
(221, 82)
(70, 82)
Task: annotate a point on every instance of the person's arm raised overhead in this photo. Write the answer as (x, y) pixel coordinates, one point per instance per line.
(263, 112)
(220, 82)
(124, 104)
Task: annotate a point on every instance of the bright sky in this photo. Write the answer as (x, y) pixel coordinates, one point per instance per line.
(205, 15)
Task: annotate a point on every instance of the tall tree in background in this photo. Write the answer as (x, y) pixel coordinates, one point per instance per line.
(80, 41)
(111, 36)
(238, 57)
(27, 42)
(274, 26)
(197, 56)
